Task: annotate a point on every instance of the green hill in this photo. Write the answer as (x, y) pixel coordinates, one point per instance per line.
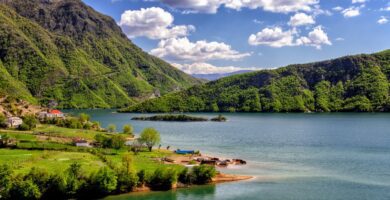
(63, 50)
(352, 83)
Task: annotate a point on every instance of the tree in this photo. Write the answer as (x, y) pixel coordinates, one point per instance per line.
(31, 121)
(111, 128)
(128, 129)
(4, 140)
(84, 118)
(150, 137)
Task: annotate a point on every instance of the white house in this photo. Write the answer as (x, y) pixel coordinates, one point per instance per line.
(82, 143)
(14, 122)
(52, 114)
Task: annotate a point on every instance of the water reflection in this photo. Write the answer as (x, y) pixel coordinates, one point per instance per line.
(195, 192)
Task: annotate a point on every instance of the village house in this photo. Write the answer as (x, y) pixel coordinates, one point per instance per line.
(52, 114)
(14, 122)
(81, 143)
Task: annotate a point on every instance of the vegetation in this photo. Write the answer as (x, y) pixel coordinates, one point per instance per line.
(46, 165)
(77, 57)
(354, 83)
(128, 129)
(219, 118)
(179, 118)
(150, 137)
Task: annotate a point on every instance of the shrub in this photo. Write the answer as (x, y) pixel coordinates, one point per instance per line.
(163, 179)
(104, 181)
(141, 177)
(31, 121)
(128, 129)
(127, 180)
(56, 187)
(24, 127)
(26, 190)
(5, 178)
(203, 174)
(111, 128)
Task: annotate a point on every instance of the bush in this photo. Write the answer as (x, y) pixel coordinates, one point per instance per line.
(56, 187)
(127, 180)
(24, 127)
(24, 190)
(5, 178)
(141, 177)
(163, 179)
(111, 128)
(203, 174)
(128, 129)
(104, 181)
(31, 121)
(3, 121)
(38, 177)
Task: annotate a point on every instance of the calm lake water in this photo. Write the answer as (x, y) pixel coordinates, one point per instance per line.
(293, 156)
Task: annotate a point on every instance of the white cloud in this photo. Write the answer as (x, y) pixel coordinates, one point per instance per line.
(181, 49)
(351, 12)
(154, 23)
(203, 6)
(382, 20)
(340, 39)
(206, 68)
(301, 19)
(385, 8)
(359, 1)
(211, 6)
(337, 8)
(316, 38)
(279, 6)
(274, 37)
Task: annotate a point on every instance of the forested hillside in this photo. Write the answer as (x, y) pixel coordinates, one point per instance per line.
(65, 51)
(352, 83)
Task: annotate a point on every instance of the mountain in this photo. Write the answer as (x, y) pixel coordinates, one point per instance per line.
(213, 77)
(63, 50)
(351, 83)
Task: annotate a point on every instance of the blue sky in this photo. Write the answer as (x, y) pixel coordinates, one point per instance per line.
(216, 36)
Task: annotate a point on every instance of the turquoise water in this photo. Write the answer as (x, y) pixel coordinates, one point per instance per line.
(292, 156)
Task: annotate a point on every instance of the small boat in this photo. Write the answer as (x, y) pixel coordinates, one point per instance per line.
(185, 151)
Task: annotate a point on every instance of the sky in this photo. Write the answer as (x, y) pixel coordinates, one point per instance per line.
(222, 36)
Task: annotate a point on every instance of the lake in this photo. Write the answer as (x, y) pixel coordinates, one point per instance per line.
(292, 156)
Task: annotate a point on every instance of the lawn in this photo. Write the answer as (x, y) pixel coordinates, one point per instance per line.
(52, 161)
(56, 131)
(148, 161)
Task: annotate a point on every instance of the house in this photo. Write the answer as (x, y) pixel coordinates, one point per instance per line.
(81, 143)
(52, 114)
(14, 122)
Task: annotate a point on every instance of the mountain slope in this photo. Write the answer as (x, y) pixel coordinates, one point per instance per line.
(352, 83)
(66, 51)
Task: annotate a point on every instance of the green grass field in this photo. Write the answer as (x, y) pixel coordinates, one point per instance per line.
(60, 152)
(148, 161)
(52, 161)
(66, 132)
